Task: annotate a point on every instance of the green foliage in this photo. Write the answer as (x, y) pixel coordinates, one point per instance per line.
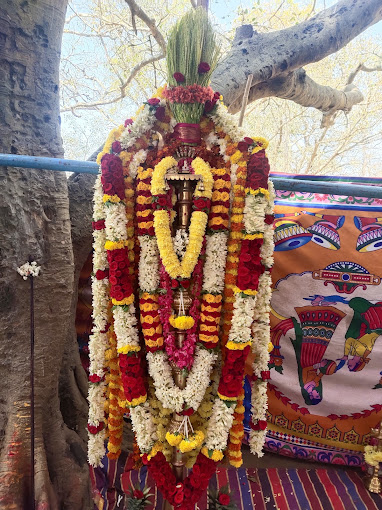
(216, 502)
(192, 41)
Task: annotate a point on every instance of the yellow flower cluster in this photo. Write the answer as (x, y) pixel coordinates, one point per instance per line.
(174, 439)
(247, 292)
(166, 249)
(182, 322)
(237, 346)
(202, 168)
(128, 348)
(113, 136)
(116, 400)
(158, 184)
(126, 301)
(215, 455)
(158, 447)
(192, 442)
(185, 444)
(111, 198)
(257, 191)
(117, 245)
(372, 456)
(236, 434)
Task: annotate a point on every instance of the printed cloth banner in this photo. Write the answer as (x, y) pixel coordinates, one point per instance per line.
(325, 392)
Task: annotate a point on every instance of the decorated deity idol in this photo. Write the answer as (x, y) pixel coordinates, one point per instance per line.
(183, 247)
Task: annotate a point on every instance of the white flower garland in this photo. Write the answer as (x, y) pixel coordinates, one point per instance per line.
(98, 342)
(219, 425)
(180, 242)
(138, 158)
(168, 393)
(115, 222)
(148, 272)
(261, 335)
(125, 327)
(227, 122)
(242, 318)
(144, 121)
(214, 266)
(143, 426)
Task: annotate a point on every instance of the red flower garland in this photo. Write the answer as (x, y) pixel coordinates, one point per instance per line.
(182, 496)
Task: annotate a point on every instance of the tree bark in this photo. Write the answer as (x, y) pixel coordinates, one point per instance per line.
(275, 59)
(35, 221)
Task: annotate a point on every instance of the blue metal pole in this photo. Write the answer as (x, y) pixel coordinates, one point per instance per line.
(329, 188)
(280, 183)
(60, 165)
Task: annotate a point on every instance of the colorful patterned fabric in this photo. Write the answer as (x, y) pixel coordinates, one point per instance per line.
(326, 319)
(260, 489)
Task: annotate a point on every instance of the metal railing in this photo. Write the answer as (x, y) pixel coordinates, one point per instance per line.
(280, 182)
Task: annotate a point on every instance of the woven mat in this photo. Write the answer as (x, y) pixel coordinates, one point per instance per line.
(260, 489)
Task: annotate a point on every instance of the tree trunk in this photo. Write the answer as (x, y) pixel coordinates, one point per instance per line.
(35, 221)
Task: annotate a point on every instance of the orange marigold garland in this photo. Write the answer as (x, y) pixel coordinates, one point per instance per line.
(236, 433)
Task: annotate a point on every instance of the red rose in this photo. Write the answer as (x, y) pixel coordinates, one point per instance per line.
(242, 146)
(174, 283)
(138, 494)
(200, 203)
(116, 147)
(118, 296)
(203, 68)
(128, 122)
(248, 140)
(160, 113)
(107, 188)
(224, 499)
(153, 101)
(217, 95)
(179, 77)
(144, 459)
(209, 106)
(113, 280)
(162, 201)
(178, 498)
(185, 284)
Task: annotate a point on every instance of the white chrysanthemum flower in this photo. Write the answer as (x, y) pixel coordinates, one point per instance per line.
(115, 222)
(143, 426)
(214, 267)
(96, 448)
(243, 312)
(138, 158)
(143, 123)
(180, 242)
(98, 210)
(199, 378)
(148, 264)
(125, 326)
(219, 425)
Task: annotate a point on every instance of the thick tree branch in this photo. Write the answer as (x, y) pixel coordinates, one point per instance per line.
(298, 87)
(278, 54)
(137, 11)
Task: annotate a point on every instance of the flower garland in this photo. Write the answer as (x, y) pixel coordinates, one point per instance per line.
(236, 273)
(236, 433)
(249, 269)
(98, 342)
(174, 267)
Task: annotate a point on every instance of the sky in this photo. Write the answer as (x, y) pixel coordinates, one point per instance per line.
(224, 13)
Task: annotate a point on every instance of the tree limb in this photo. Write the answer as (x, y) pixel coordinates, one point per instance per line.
(298, 87)
(280, 53)
(122, 94)
(134, 7)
